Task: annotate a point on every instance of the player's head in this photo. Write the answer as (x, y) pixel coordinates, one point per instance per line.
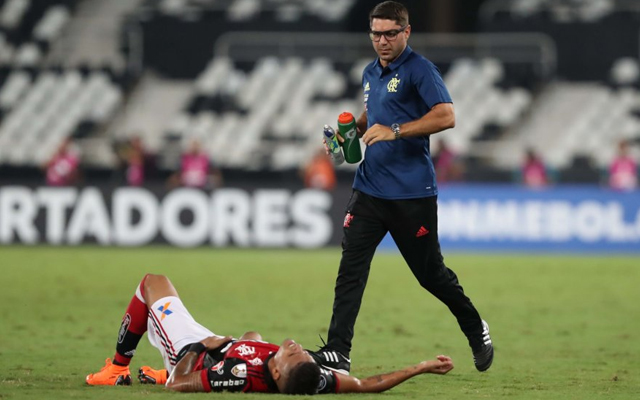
(389, 29)
(391, 10)
(303, 379)
(293, 369)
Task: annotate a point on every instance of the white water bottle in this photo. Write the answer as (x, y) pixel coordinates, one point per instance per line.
(335, 150)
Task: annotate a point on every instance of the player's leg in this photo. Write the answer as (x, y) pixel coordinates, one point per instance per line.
(156, 287)
(363, 231)
(132, 327)
(171, 328)
(414, 228)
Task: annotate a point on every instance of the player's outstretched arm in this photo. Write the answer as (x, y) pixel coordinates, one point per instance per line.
(182, 379)
(380, 383)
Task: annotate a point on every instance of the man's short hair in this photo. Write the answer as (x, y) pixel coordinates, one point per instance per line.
(391, 10)
(304, 378)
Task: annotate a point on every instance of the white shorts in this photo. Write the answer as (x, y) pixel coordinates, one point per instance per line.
(170, 327)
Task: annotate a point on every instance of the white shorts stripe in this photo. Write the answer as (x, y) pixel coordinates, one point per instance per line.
(166, 344)
(170, 327)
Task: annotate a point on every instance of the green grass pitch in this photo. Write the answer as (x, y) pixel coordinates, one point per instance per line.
(564, 327)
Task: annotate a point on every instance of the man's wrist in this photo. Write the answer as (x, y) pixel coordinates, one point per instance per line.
(198, 348)
(395, 128)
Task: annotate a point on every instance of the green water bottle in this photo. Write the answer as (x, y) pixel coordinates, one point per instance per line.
(351, 145)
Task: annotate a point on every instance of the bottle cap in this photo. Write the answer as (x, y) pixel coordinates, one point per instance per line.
(345, 118)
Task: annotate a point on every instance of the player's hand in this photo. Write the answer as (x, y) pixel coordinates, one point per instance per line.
(213, 342)
(324, 143)
(440, 366)
(377, 133)
(326, 148)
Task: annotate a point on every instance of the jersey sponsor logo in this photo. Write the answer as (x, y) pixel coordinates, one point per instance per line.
(392, 86)
(124, 327)
(367, 87)
(256, 361)
(239, 370)
(218, 367)
(228, 383)
(164, 309)
(245, 350)
(347, 220)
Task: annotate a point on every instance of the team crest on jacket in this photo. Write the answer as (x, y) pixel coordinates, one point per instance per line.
(245, 350)
(392, 86)
(347, 220)
(323, 383)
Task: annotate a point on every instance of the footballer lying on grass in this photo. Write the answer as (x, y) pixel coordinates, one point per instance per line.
(197, 360)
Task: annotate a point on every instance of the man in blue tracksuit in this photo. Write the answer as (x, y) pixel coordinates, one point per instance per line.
(395, 188)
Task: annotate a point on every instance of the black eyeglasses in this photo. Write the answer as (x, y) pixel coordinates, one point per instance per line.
(390, 35)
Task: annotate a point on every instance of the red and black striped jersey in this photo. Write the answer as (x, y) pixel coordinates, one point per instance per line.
(242, 368)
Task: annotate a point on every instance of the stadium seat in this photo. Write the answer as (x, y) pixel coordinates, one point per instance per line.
(50, 26)
(14, 88)
(12, 12)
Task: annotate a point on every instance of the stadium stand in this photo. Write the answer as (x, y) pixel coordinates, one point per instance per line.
(42, 102)
(594, 101)
(44, 109)
(232, 74)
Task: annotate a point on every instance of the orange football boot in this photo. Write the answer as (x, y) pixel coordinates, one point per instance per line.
(110, 374)
(152, 376)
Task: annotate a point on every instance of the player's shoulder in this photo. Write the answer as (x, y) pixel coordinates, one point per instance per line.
(421, 68)
(329, 381)
(256, 344)
(420, 62)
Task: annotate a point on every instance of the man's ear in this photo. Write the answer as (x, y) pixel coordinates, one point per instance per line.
(275, 374)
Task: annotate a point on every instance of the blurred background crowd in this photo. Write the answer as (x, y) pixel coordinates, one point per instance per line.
(203, 93)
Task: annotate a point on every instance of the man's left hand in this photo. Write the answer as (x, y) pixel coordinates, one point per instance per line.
(441, 365)
(377, 133)
(213, 342)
